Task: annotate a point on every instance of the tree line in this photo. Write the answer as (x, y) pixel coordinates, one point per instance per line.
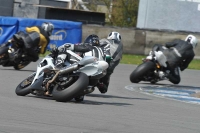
(122, 13)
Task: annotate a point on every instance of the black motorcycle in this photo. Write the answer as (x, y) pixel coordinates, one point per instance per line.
(153, 69)
(12, 54)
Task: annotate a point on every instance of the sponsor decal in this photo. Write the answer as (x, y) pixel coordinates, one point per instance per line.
(59, 35)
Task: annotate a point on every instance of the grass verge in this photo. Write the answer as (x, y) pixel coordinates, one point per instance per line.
(137, 59)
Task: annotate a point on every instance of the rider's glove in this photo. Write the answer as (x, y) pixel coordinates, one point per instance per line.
(54, 52)
(65, 47)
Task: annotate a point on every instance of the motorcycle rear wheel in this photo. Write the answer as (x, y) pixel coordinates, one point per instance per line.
(62, 93)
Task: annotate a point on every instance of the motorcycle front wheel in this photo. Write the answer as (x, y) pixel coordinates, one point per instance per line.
(64, 92)
(137, 75)
(3, 54)
(22, 89)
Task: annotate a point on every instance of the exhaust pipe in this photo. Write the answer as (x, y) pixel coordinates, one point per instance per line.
(69, 69)
(63, 71)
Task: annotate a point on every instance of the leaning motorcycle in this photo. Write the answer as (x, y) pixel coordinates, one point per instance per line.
(76, 78)
(153, 69)
(11, 55)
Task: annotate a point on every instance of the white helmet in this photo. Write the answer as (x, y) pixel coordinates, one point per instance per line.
(114, 36)
(192, 40)
(48, 27)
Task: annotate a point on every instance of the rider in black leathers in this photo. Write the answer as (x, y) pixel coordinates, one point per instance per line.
(34, 37)
(179, 54)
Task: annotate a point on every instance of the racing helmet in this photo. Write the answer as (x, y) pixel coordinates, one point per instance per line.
(48, 27)
(114, 36)
(92, 40)
(192, 40)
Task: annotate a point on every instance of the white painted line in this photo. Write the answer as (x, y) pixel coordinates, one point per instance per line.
(171, 95)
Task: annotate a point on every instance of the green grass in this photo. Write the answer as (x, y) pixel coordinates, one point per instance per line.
(46, 53)
(195, 64)
(137, 59)
(132, 59)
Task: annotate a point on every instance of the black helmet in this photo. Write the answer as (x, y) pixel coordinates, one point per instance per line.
(48, 27)
(92, 40)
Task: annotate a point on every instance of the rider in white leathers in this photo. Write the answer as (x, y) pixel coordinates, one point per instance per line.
(113, 47)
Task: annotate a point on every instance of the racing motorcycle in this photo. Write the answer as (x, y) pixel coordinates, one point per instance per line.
(153, 69)
(12, 55)
(76, 78)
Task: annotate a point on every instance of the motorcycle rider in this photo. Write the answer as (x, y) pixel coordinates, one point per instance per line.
(179, 54)
(90, 47)
(113, 47)
(34, 37)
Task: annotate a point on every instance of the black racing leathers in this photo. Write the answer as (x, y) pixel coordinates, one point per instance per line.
(35, 41)
(180, 54)
(82, 49)
(95, 50)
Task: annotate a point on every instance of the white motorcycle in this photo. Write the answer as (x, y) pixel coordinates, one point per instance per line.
(74, 80)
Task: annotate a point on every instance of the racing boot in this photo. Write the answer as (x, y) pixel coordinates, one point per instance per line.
(79, 98)
(102, 87)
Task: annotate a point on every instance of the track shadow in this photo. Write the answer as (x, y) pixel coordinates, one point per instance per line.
(83, 102)
(9, 69)
(111, 96)
(41, 97)
(102, 103)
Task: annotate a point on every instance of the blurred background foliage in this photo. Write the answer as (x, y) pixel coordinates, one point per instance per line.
(121, 13)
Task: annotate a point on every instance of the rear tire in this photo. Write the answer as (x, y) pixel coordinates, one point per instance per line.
(141, 70)
(76, 88)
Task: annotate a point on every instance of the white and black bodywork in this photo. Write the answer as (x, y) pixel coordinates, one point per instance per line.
(71, 81)
(153, 69)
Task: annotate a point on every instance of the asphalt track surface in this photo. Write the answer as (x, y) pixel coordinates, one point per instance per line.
(118, 111)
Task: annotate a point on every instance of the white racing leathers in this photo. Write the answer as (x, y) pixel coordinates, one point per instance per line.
(115, 49)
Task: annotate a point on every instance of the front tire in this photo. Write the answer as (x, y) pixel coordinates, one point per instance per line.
(137, 75)
(3, 55)
(64, 94)
(22, 89)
